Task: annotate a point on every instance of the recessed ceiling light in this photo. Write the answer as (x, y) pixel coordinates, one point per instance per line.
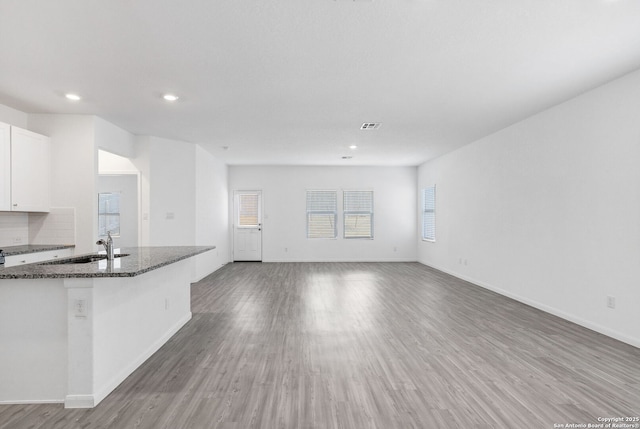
(353, 147)
(74, 97)
(170, 97)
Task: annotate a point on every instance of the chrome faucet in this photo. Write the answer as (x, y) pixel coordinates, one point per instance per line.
(108, 246)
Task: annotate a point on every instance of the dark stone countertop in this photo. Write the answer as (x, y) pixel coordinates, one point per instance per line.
(139, 261)
(33, 248)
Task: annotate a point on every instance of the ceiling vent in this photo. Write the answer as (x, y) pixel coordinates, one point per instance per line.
(370, 126)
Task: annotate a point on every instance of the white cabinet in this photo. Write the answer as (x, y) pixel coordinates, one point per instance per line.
(25, 158)
(32, 258)
(5, 167)
(30, 171)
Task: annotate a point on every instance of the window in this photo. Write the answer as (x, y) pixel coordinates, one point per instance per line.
(358, 214)
(109, 214)
(248, 210)
(429, 213)
(322, 213)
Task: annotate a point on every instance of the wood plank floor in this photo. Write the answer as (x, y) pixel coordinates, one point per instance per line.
(361, 345)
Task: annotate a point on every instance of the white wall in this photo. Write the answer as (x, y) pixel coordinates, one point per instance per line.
(109, 163)
(168, 191)
(142, 163)
(547, 211)
(284, 204)
(13, 117)
(114, 139)
(212, 212)
(184, 199)
(74, 170)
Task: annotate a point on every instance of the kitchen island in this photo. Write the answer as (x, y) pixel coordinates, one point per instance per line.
(71, 332)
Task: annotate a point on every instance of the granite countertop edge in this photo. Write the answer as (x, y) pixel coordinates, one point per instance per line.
(140, 261)
(33, 248)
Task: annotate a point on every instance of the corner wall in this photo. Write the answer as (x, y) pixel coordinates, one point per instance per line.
(212, 212)
(547, 211)
(184, 199)
(168, 191)
(74, 170)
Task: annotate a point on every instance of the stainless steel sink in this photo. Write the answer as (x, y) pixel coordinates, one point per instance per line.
(82, 259)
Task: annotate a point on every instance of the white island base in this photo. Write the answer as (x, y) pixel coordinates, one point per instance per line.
(74, 340)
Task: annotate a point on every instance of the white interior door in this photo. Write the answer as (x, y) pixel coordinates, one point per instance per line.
(247, 226)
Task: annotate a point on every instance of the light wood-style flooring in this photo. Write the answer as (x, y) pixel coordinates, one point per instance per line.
(361, 345)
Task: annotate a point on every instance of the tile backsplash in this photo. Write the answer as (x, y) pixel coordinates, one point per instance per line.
(14, 229)
(56, 227)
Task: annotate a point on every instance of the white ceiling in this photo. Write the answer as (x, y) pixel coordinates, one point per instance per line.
(291, 81)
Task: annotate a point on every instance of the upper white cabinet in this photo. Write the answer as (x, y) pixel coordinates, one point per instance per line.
(26, 170)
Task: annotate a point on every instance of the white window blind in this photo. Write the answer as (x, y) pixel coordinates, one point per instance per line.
(322, 213)
(248, 206)
(109, 214)
(429, 213)
(358, 214)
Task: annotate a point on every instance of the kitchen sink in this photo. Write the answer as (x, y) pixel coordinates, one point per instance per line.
(82, 259)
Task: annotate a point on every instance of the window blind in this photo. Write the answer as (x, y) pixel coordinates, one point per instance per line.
(358, 214)
(322, 213)
(109, 214)
(429, 213)
(248, 206)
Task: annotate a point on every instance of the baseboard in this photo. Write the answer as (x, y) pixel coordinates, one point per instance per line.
(80, 401)
(196, 280)
(104, 391)
(543, 307)
(35, 401)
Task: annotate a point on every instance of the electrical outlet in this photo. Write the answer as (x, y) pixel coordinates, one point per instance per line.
(611, 301)
(80, 308)
(166, 303)
(17, 240)
(395, 249)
